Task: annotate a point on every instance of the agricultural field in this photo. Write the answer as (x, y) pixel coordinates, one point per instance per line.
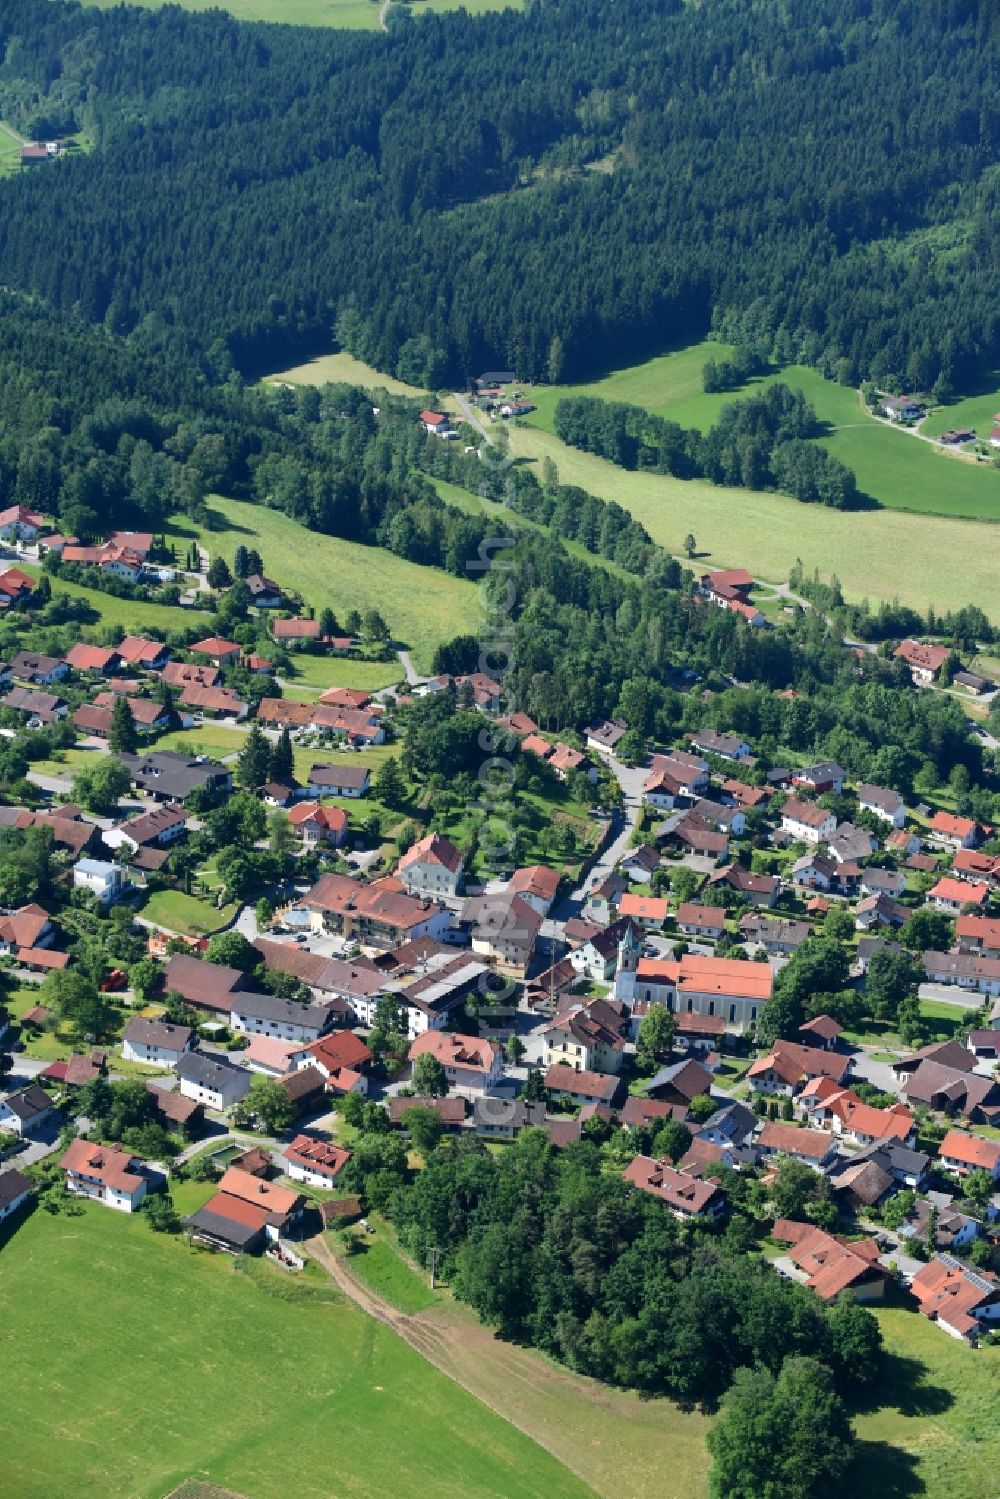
(352, 15)
(976, 411)
(342, 368)
(423, 606)
(932, 559)
(386, 1273)
(10, 150)
(249, 1394)
(894, 467)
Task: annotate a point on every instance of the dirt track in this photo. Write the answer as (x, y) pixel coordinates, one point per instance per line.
(610, 1439)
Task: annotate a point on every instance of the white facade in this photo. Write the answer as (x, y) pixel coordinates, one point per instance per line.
(427, 877)
(105, 881)
(804, 832)
(153, 1056)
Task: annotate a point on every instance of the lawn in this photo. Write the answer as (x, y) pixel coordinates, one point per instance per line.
(663, 385)
(66, 763)
(145, 1362)
(320, 672)
(185, 914)
(387, 1273)
(937, 1433)
(423, 606)
(921, 559)
(972, 411)
(211, 739)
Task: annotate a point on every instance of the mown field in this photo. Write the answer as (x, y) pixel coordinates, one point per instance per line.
(896, 469)
(187, 915)
(271, 1388)
(341, 368)
(422, 605)
(133, 615)
(879, 554)
(975, 411)
(360, 15)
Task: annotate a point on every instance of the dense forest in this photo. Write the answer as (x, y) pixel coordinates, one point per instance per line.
(815, 178)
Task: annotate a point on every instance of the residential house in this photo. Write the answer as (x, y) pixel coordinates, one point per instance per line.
(220, 652)
(822, 1031)
(504, 927)
(788, 1067)
(379, 914)
(282, 1019)
(582, 1087)
(723, 746)
(18, 523)
(851, 845)
(150, 655)
(160, 827)
(502, 1118)
(106, 882)
(471, 1064)
(875, 881)
(685, 1196)
(814, 1147)
(339, 780)
(978, 934)
(807, 822)
(902, 408)
(104, 1174)
(36, 708)
(167, 776)
(604, 737)
(432, 866)
(952, 895)
(306, 1090)
(774, 935)
(647, 911)
(229, 1224)
(602, 899)
(638, 865)
(15, 1191)
(273, 1058)
(317, 824)
(212, 702)
(878, 911)
(882, 802)
(157, 1043)
(963, 1302)
(588, 1036)
(264, 592)
(758, 889)
(316, 1162)
(925, 661)
(963, 1153)
(92, 660)
(953, 832)
(970, 864)
(537, 884)
(825, 777)
(342, 1059)
(598, 955)
(451, 1111)
(38, 670)
(24, 1112)
(833, 1266)
(733, 1125)
(936, 1212)
(849, 1118)
(212, 1081)
(700, 921)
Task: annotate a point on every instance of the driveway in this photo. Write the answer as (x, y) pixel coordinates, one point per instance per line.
(631, 779)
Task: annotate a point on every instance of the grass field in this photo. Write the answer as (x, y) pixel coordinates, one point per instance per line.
(131, 614)
(320, 672)
(921, 559)
(206, 739)
(973, 411)
(388, 1274)
(894, 468)
(359, 15)
(937, 1432)
(342, 368)
(185, 914)
(422, 605)
(142, 1362)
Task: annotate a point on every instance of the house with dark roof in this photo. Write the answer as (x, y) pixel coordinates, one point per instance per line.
(282, 1019)
(207, 986)
(679, 1082)
(157, 1043)
(24, 1112)
(15, 1192)
(582, 1087)
(212, 1081)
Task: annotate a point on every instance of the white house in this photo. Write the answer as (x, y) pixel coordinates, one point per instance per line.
(807, 822)
(433, 866)
(15, 1190)
(471, 1065)
(280, 1019)
(157, 1043)
(882, 802)
(104, 1174)
(964, 1153)
(211, 1081)
(106, 881)
(318, 1163)
(23, 1112)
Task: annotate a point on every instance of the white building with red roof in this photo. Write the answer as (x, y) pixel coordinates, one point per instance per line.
(433, 866)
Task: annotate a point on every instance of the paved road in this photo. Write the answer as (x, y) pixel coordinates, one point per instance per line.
(471, 415)
(631, 780)
(413, 677)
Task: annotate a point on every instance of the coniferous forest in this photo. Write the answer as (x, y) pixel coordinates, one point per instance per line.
(581, 184)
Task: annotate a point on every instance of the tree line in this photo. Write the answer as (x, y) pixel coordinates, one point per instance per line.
(757, 443)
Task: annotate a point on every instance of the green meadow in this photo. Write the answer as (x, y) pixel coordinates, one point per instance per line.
(348, 15)
(423, 606)
(142, 1362)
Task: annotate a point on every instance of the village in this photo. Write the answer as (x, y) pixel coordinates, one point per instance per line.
(768, 978)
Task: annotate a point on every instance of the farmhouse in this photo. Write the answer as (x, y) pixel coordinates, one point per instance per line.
(925, 661)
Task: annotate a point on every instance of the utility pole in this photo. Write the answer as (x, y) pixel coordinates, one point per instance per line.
(432, 1255)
